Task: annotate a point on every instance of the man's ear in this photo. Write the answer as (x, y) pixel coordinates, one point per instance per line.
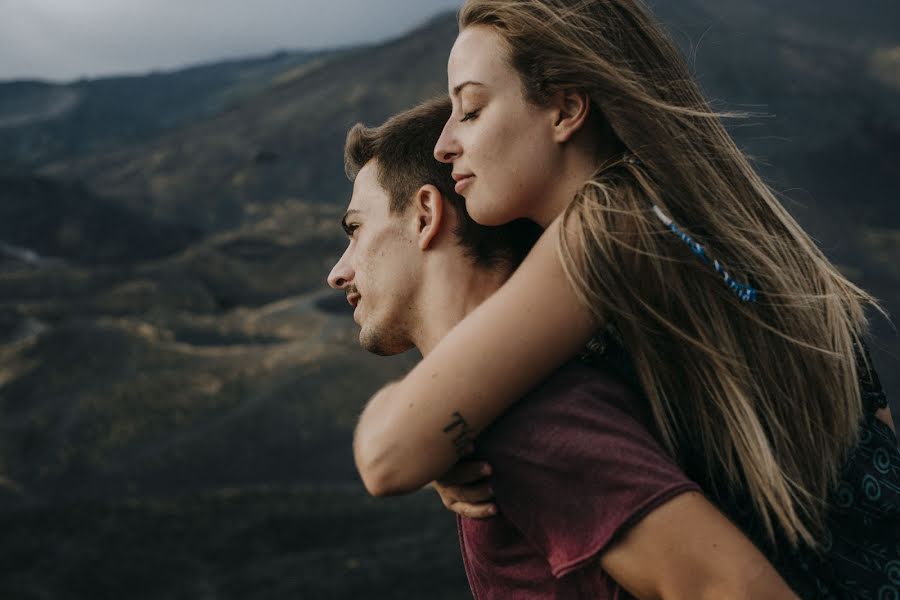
(572, 109)
(428, 205)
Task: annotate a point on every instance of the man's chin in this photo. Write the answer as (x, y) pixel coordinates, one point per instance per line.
(379, 351)
(382, 345)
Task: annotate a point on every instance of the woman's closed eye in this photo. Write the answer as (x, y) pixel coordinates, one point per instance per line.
(469, 116)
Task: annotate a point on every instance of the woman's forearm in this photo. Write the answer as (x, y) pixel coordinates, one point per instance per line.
(386, 456)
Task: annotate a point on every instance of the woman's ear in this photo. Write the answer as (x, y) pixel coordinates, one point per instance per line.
(572, 109)
(429, 212)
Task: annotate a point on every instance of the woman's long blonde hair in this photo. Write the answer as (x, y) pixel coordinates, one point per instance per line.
(755, 400)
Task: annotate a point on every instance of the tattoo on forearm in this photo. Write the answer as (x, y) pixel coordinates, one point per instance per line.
(462, 434)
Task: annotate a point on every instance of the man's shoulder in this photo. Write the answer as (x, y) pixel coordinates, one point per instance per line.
(577, 382)
(577, 399)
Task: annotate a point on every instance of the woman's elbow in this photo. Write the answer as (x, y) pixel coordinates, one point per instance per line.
(380, 484)
(390, 460)
(381, 471)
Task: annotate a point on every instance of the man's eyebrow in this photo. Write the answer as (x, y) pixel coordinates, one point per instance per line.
(349, 213)
(458, 89)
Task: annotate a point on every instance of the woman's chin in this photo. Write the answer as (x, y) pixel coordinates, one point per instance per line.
(484, 213)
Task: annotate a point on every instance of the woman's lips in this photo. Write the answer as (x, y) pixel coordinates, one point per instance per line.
(462, 182)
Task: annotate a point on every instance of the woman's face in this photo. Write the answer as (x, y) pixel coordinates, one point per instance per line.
(502, 147)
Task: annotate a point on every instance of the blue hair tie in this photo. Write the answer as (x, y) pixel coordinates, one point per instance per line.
(745, 292)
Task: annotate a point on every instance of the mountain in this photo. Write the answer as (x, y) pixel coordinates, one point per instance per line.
(282, 144)
(68, 220)
(42, 122)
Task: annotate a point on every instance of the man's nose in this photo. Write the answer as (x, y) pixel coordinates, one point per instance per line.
(447, 148)
(341, 274)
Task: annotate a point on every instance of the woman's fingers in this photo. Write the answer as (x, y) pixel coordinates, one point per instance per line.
(465, 490)
(471, 494)
(465, 472)
(474, 511)
(472, 500)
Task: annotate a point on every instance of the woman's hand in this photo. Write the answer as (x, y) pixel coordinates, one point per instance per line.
(466, 490)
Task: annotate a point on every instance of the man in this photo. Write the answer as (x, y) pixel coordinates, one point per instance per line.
(577, 475)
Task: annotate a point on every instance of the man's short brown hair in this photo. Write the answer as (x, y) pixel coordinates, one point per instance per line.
(404, 149)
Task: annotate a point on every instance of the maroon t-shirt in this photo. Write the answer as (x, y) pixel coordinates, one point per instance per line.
(574, 467)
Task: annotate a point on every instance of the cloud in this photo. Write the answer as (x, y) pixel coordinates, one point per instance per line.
(67, 39)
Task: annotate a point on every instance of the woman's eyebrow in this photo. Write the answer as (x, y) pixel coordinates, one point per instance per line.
(458, 89)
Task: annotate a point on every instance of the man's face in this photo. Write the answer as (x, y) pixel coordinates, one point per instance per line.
(377, 271)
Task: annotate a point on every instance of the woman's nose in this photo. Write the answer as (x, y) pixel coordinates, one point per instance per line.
(447, 149)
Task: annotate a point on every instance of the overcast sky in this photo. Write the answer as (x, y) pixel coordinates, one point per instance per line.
(68, 39)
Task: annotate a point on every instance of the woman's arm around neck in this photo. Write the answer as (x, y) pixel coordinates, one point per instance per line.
(413, 430)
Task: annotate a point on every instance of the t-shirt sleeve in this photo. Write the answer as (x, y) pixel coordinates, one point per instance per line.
(574, 468)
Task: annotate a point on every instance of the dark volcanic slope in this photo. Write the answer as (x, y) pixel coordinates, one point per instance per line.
(226, 363)
(69, 221)
(286, 142)
(42, 122)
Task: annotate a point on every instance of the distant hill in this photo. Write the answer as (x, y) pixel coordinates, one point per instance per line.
(118, 375)
(68, 221)
(286, 142)
(42, 122)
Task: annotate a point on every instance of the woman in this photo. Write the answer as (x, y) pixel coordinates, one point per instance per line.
(583, 117)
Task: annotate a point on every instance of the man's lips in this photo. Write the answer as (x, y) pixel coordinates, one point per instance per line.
(353, 299)
(462, 180)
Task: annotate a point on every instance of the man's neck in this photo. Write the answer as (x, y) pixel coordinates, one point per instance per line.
(451, 291)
